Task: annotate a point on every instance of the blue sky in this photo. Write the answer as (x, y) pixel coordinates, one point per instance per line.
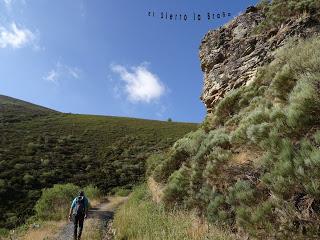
(108, 57)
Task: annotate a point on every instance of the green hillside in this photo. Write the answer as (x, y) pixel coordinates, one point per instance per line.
(41, 147)
(15, 110)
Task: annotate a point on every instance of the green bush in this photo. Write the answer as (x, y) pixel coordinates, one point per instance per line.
(258, 132)
(217, 158)
(153, 161)
(241, 193)
(190, 142)
(121, 191)
(304, 103)
(216, 138)
(227, 106)
(177, 187)
(55, 202)
(283, 82)
(255, 120)
(173, 162)
(179, 154)
(278, 11)
(215, 208)
(92, 192)
(4, 232)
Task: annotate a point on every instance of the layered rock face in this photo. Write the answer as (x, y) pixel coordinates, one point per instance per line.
(230, 56)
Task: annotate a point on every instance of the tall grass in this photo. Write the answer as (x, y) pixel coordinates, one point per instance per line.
(142, 219)
(92, 230)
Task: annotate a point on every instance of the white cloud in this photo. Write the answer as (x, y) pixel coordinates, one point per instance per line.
(8, 3)
(15, 37)
(140, 85)
(61, 70)
(73, 72)
(52, 76)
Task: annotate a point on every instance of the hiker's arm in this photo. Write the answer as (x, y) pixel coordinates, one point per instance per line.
(86, 207)
(71, 208)
(70, 212)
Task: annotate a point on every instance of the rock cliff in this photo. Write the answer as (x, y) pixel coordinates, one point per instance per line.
(231, 55)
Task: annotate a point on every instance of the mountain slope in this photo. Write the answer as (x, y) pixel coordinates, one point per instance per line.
(13, 109)
(41, 147)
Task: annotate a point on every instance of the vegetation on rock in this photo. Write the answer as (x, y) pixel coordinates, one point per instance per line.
(254, 164)
(279, 11)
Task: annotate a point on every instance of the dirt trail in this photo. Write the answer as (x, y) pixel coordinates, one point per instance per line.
(103, 212)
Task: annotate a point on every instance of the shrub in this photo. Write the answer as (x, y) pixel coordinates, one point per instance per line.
(241, 193)
(307, 167)
(92, 192)
(153, 161)
(255, 120)
(208, 123)
(177, 187)
(304, 102)
(55, 202)
(215, 207)
(215, 138)
(217, 158)
(121, 191)
(277, 11)
(283, 82)
(4, 232)
(28, 179)
(173, 162)
(178, 154)
(316, 139)
(258, 132)
(227, 106)
(190, 142)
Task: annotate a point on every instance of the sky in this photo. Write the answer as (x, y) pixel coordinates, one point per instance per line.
(109, 57)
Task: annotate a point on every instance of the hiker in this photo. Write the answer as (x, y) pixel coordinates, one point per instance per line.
(78, 212)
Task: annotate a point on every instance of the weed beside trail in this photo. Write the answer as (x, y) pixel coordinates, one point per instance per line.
(141, 218)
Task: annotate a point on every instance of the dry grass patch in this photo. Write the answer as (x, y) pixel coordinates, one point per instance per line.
(47, 230)
(92, 229)
(247, 155)
(156, 190)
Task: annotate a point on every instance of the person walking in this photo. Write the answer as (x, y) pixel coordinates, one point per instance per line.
(78, 212)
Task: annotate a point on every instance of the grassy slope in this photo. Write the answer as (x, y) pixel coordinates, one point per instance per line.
(255, 163)
(41, 147)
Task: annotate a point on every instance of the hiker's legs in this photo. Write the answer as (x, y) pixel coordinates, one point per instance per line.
(75, 222)
(81, 219)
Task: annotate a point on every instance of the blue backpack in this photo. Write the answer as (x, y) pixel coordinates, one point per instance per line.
(80, 207)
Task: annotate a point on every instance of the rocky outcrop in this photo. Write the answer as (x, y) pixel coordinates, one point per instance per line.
(231, 55)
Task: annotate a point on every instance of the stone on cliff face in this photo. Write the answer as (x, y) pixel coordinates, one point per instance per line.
(230, 56)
